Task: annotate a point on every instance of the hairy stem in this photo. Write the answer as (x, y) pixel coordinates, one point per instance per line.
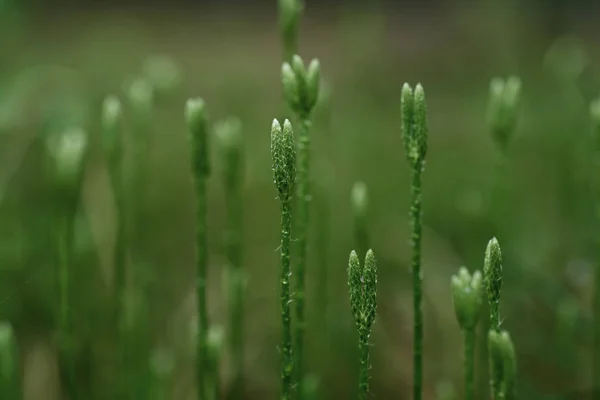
(64, 248)
(415, 217)
(304, 199)
(201, 271)
(286, 347)
(469, 360)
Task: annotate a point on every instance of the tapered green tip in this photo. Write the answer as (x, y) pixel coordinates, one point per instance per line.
(112, 117)
(196, 119)
(140, 95)
(67, 151)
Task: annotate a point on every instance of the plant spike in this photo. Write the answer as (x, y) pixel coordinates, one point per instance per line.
(414, 134)
(283, 153)
(289, 21)
(492, 274)
(229, 138)
(195, 114)
(68, 152)
(362, 286)
(504, 99)
(360, 205)
(467, 296)
(10, 385)
(301, 89)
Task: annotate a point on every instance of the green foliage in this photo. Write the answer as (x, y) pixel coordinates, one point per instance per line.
(362, 286)
(503, 105)
(10, 382)
(283, 154)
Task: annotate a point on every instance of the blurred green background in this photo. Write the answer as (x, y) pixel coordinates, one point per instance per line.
(59, 60)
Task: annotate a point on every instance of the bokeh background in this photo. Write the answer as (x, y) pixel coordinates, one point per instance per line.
(60, 58)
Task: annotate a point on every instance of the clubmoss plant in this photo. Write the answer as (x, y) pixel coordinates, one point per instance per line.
(289, 21)
(414, 135)
(283, 153)
(195, 114)
(492, 276)
(362, 285)
(467, 295)
(10, 384)
(112, 116)
(503, 103)
(301, 89)
(360, 205)
(595, 125)
(503, 364)
(67, 153)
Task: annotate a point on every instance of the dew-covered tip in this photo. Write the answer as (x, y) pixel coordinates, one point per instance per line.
(283, 153)
(370, 262)
(353, 260)
(493, 254)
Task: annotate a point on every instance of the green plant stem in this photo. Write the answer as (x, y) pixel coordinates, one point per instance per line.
(286, 348)
(64, 247)
(469, 347)
(415, 217)
(363, 346)
(304, 199)
(10, 384)
(201, 273)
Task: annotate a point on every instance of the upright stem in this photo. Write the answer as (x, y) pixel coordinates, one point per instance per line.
(363, 346)
(201, 367)
(469, 347)
(64, 257)
(286, 348)
(415, 217)
(233, 200)
(304, 199)
(10, 383)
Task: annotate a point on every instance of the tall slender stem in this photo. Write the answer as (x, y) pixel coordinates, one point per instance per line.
(303, 214)
(415, 217)
(286, 348)
(469, 361)
(363, 346)
(64, 250)
(201, 260)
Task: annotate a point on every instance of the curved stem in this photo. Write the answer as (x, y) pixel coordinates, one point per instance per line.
(286, 347)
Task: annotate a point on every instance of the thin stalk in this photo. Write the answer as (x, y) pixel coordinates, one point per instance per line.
(303, 215)
(469, 360)
(64, 249)
(415, 217)
(201, 273)
(286, 320)
(365, 366)
(10, 385)
(196, 120)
